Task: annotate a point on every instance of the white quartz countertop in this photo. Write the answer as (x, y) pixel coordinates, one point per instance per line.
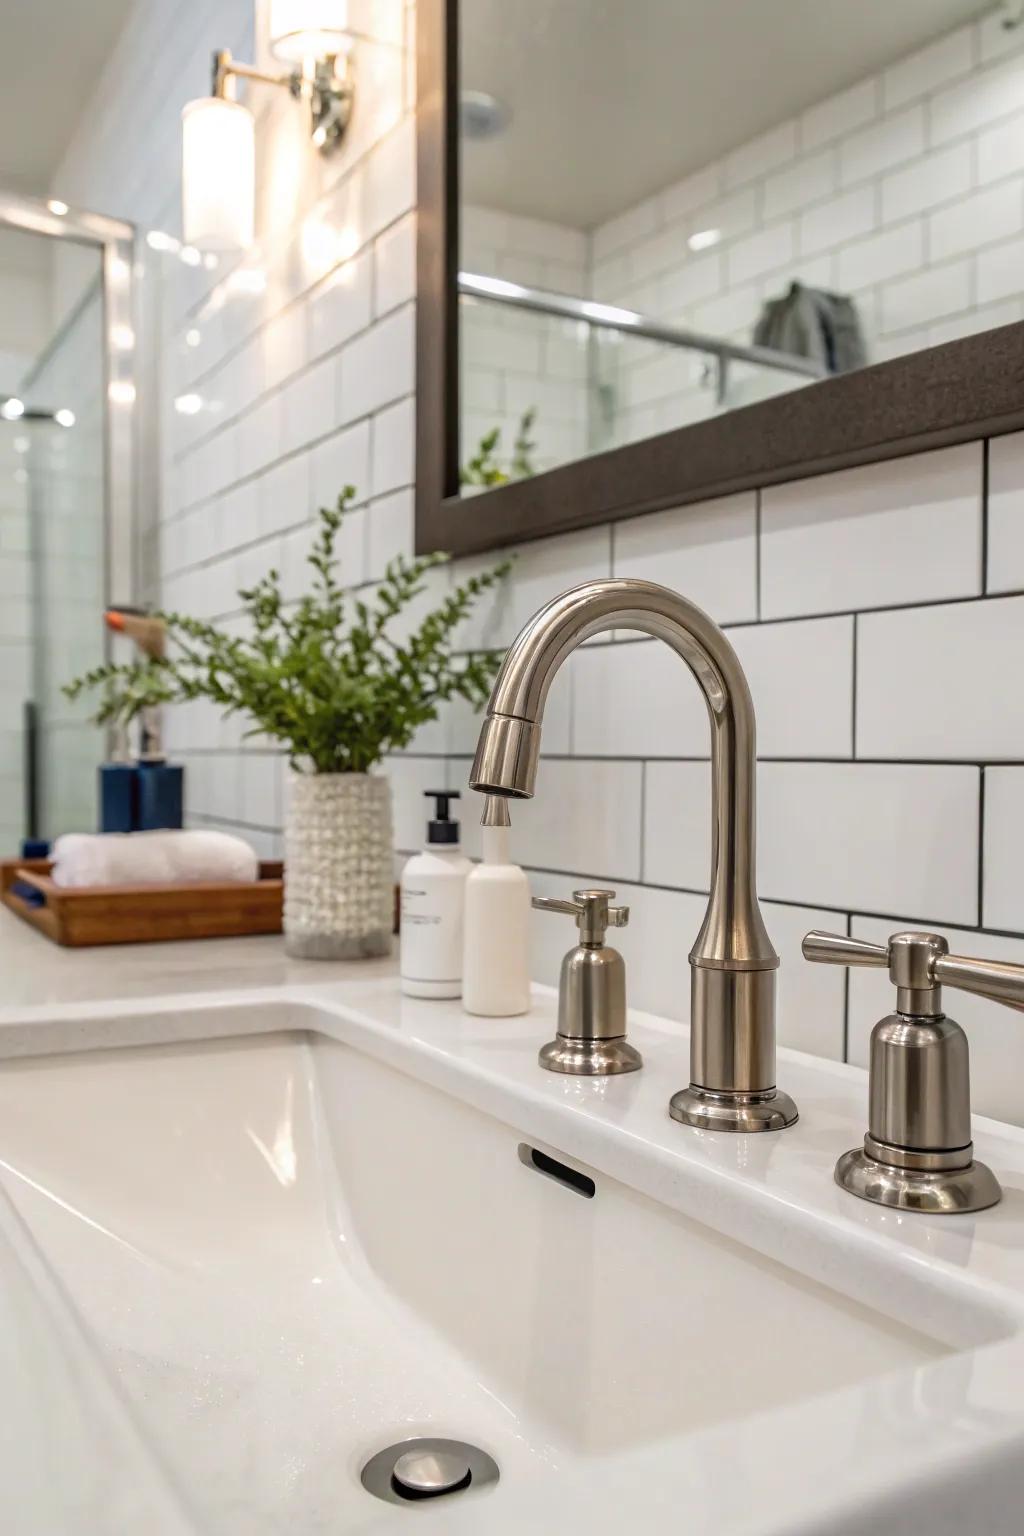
(37, 972)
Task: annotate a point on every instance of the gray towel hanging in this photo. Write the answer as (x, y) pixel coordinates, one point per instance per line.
(810, 322)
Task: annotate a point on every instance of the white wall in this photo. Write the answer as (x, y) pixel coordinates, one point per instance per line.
(882, 804)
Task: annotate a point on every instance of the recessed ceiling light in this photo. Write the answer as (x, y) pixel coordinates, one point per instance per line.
(160, 240)
(64, 417)
(482, 116)
(56, 206)
(188, 405)
(12, 408)
(701, 239)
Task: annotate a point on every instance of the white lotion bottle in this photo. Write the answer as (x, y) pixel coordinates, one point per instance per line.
(433, 897)
(496, 967)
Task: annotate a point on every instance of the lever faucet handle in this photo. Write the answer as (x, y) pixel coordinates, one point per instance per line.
(919, 964)
(997, 980)
(840, 949)
(591, 910)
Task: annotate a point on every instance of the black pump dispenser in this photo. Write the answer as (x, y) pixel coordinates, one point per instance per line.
(442, 828)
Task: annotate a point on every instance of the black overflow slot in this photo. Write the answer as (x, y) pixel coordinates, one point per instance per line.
(532, 1157)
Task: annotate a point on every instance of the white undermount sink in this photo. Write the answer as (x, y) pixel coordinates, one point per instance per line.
(308, 1227)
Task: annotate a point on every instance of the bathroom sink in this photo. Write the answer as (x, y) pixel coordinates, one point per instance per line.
(300, 1231)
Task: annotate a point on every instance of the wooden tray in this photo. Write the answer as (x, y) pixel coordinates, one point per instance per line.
(143, 914)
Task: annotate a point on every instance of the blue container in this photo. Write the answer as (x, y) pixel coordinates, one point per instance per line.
(161, 796)
(119, 797)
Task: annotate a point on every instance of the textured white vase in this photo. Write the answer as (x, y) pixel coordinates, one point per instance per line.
(339, 866)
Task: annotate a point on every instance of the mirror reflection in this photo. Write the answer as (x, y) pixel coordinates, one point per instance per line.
(737, 200)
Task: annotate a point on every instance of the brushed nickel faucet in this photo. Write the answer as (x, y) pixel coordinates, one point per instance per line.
(732, 977)
(918, 1154)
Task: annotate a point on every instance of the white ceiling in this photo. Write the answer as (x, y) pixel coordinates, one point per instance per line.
(52, 52)
(613, 99)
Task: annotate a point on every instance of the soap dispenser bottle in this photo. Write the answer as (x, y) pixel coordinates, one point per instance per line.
(496, 965)
(433, 898)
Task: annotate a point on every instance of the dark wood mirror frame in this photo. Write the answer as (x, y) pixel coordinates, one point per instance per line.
(953, 393)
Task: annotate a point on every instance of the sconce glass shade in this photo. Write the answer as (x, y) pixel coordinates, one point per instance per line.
(309, 29)
(218, 174)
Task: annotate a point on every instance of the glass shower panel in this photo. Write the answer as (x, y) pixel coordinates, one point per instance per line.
(66, 516)
(52, 537)
(541, 389)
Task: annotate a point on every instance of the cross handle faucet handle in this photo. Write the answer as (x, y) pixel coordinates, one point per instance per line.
(592, 912)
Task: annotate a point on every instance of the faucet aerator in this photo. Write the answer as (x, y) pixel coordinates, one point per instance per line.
(506, 757)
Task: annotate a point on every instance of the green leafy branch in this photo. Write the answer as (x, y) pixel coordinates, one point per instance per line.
(485, 468)
(127, 690)
(340, 679)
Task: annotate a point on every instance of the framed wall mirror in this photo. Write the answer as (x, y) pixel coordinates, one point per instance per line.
(681, 248)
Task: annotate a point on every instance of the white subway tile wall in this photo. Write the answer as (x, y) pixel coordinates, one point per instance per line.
(1005, 553)
(839, 593)
(883, 534)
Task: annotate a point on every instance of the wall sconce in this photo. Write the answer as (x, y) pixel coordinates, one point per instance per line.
(218, 142)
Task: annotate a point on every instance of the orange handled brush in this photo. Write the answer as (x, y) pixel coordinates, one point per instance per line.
(149, 634)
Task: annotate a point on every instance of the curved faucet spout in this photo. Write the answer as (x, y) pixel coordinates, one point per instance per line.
(732, 960)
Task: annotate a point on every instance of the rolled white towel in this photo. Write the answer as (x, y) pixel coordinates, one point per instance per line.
(151, 858)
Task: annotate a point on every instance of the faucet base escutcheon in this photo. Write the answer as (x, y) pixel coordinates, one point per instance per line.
(746, 1112)
(589, 1058)
(934, 1190)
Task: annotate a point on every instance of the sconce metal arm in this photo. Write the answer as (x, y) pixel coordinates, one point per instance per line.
(327, 87)
(226, 68)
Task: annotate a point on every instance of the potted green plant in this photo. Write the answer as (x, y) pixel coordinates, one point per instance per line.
(340, 684)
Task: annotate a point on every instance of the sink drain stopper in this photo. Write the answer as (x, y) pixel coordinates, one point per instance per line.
(414, 1470)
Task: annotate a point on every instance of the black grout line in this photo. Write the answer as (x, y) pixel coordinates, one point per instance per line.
(705, 757)
(842, 613)
(838, 908)
(985, 451)
(853, 691)
(757, 553)
(981, 844)
(624, 638)
(846, 997)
